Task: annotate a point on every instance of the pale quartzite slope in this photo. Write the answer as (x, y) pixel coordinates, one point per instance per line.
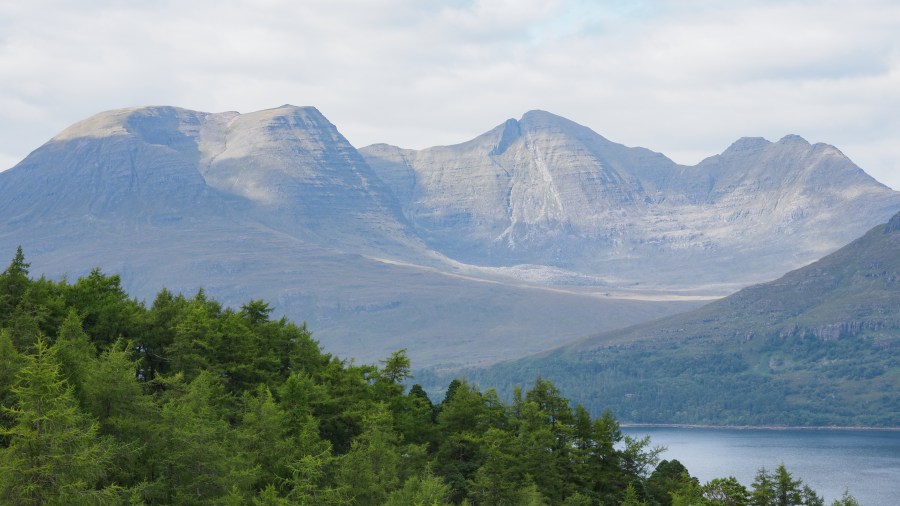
(545, 190)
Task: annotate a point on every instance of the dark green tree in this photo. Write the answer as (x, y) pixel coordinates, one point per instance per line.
(424, 490)
(197, 338)
(780, 488)
(256, 312)
(763, 493)
(372, 467)
(498, 479)
(726, 492)
(197, 449)
(669, 477)
(76, 353)
(113, 395)
(13, 283)
(788, 490)
(157, 331)
(10, 363)
(105, 309)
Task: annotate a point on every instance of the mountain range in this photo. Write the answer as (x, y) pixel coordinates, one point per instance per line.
(530, 235)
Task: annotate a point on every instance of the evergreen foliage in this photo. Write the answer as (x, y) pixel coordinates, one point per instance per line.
(106, 401)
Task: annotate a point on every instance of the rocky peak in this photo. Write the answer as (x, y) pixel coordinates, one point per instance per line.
(537, 121)
(747, 144)
(793, 140)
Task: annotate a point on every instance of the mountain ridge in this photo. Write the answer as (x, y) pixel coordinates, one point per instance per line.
(543, 189)
(432, 250)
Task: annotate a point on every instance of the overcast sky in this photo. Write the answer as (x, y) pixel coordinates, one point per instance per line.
(686, 78)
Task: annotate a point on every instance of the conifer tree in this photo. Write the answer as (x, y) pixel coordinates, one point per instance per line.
(13, 283)
(10, 363)
(372, 467)
(76, 354)
(54, 455)
(201, 464)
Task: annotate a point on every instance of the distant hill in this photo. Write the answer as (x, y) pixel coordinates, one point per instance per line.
(819, 346)
(535, 233)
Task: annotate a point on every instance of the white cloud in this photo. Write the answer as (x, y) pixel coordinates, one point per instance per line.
(683, 77)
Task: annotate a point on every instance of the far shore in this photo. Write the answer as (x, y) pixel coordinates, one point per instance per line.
(751, 427)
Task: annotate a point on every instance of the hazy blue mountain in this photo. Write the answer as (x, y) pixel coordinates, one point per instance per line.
(818, 346)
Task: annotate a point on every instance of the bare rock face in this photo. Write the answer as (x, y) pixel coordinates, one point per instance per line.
(132, 164)
(545, 190)
(300, 173)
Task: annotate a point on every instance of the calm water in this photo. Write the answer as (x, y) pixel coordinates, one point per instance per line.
(865, 462)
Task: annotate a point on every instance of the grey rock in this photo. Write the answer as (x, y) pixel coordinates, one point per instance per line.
(544, 190)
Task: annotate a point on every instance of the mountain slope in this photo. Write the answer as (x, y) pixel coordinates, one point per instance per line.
(818, 346)
(545, 190)
(277, 205)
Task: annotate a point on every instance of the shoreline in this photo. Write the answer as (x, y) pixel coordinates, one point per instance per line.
(754, 427)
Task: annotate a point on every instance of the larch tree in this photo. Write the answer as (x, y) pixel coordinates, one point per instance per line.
(55, 455)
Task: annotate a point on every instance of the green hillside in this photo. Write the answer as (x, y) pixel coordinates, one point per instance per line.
(819, 346)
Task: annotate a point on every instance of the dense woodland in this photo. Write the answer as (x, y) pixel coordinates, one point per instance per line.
(108, 401)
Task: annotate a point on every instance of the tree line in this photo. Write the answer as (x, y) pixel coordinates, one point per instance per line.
(107, 401)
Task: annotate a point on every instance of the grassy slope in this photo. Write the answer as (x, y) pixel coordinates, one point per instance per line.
(820, 346)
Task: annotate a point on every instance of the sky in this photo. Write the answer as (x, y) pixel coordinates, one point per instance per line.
(682, 77)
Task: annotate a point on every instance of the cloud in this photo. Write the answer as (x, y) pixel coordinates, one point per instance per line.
(682, 77)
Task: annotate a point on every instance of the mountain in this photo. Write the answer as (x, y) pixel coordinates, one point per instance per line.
(533, 234)
(277, 205)
(288, 167)
(545, 190)
(819, 346)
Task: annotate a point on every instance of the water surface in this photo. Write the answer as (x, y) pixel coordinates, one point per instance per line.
(867, 463)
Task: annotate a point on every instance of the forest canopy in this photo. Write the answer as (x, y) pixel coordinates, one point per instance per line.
(107, 401)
